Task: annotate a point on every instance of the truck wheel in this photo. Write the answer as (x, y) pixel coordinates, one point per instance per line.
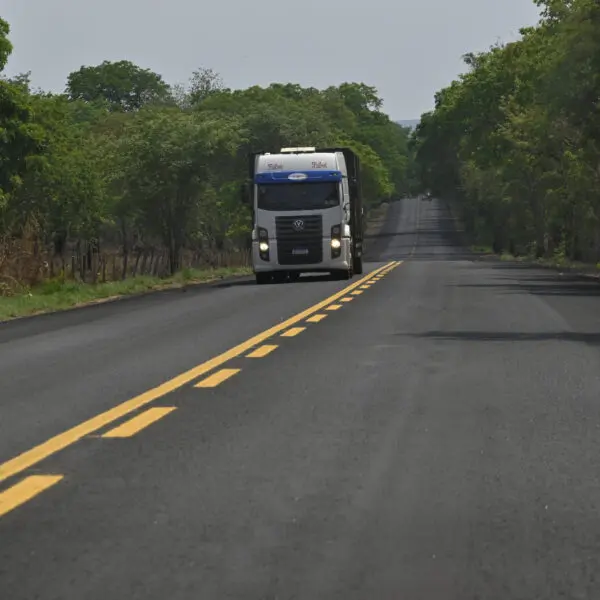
(357, 264)
(263, 278)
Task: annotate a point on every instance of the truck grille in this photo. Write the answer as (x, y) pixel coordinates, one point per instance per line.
(299, 240)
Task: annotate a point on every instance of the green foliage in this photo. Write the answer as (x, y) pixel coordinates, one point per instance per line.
(123, 159)
(514, 142)
(122, 85)
(5, 45)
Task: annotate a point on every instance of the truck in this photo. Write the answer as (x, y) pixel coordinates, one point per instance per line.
(307, 213)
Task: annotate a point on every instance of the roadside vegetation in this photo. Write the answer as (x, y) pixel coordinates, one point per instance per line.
(514, 144)
(56, 294)
(126, 177)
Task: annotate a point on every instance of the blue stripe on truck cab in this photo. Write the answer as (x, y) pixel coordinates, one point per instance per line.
(297, 176)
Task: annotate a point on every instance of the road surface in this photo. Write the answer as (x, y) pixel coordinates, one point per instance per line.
(431, 431)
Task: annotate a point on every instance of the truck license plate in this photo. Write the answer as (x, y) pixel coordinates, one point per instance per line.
(300, 251)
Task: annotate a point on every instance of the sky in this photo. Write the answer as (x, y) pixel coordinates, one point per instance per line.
(408, 50)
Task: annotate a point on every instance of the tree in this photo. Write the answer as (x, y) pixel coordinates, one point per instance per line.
(122, 85)
(20, 139)
(204, 83)
(168, 160)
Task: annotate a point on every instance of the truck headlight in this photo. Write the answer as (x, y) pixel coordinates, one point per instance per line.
(336, 241)
(263, 244)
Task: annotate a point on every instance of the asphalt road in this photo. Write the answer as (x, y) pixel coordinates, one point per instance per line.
(435, 437)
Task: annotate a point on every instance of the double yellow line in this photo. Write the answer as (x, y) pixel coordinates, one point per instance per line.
(67, 438)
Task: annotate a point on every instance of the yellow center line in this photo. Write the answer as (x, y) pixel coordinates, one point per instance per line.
(66, 438)
(25, 490)
(316, 318)
(334, 307)
(133, 426)
(262, 351)
(389, 269)
(217, 378)
(293, 332)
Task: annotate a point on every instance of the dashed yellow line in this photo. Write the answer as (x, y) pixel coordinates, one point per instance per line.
(316, 318)
(262, 351)
(217, 378)
(65, 439)
(348, 299)
(293, 332)
(135, 425)
(356, 293)
(25, 490)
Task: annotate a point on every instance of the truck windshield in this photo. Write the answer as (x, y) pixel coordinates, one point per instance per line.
(298, 196)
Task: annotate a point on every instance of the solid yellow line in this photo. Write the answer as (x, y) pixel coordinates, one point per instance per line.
(217, 378)
(139, 422)
(316, 318)
(262, 351)
(334, 307)
(25, 490)
(293, 332)
(66, 438)
(390, 268)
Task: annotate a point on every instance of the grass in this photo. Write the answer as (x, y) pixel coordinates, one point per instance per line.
(558, 262)
(481, 249)
(55, 295)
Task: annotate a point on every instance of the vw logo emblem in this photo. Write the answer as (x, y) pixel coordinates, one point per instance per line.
(298, 225)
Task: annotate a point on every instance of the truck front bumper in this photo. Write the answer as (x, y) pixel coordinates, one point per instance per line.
(341, 263)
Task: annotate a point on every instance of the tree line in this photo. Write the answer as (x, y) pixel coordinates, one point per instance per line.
(123, 162)
(514, 143)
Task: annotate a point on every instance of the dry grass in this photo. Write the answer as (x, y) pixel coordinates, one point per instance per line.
(58, 294)
(32, 281)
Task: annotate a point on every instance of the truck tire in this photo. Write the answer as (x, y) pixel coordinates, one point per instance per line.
(357, 264)
(263, 278)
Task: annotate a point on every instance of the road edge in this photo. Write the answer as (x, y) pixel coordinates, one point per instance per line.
(177, 288)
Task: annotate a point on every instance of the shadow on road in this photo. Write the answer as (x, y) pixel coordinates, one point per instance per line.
(517, 279)
(307, 278)
(374, 236)
(508, 336)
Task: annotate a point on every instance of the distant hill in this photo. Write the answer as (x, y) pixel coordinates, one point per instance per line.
(412, 123)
